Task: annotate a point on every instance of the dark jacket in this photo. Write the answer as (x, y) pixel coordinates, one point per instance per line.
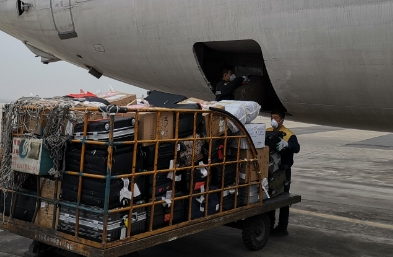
(225, 89)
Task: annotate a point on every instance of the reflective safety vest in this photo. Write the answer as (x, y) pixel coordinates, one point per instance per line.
(285, 130)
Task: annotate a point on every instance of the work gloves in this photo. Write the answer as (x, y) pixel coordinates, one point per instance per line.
(281, 145)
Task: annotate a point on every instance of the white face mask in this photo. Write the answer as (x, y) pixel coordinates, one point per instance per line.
(274, 123)
(232, 77)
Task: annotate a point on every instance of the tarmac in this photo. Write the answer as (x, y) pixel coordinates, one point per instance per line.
(345, 179)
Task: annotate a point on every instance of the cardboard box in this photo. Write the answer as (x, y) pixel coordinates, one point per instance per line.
(45, 217)
(147, 125)
(30, 155)
(248, 169)
(257, 133)
(218, 123)
(119, 98)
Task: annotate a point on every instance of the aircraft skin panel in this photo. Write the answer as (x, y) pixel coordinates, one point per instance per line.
(330, 62)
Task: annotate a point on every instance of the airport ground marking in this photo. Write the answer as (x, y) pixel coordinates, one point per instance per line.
(340, 218)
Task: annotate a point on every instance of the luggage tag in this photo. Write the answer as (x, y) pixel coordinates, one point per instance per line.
(265, 184)
(221, 125)
(125, 193)
(171, 174)
(123, 229)
(203, 170)
(167, 199)
(221, 152)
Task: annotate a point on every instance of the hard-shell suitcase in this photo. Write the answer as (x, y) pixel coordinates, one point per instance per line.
(198, 181)
(186, 120)
(162, 99)
(93, 191)
(229, 174)
(166, 153)
(99, 129)
(217, 152)
(198, 205)
(252, 91)
(24, 205)
(162, 212)
(243, 192)
(91, 224)
(96, 160)
(228, 200)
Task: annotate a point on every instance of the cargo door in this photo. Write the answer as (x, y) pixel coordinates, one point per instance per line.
(62, 18)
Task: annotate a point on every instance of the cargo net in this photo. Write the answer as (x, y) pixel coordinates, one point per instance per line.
(26, 117)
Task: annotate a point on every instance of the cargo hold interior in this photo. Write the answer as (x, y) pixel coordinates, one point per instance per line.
(246, 58)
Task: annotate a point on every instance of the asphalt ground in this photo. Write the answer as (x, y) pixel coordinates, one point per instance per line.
(345, 177)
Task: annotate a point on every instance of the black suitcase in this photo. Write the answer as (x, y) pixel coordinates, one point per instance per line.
(229, 175)
(91, 224)
(162, 99)
(93, 190)
(243, 192)
(199, 180)
(24, 205)
(166, 153)
(228, 200)
(162, 214)
(217, 152)
(99, 129)
(198, 205)
(96, 160)
(186, 120)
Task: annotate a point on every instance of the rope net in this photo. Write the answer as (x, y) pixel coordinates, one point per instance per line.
(48, 119)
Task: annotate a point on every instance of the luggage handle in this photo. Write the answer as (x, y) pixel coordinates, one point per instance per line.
(113, 109)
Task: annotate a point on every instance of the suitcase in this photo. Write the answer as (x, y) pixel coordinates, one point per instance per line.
(24, 205)
(162, 214)
(198, 205)
(99, 129)
(166, 153)
(228, 200)
(242, 195)
(96, 160)
(186, 120)
(91, 224)
(252, 91)
(93, 191)
(277, 180)
(217, 154)
(199, 180)
(229, 175)
(162, 99)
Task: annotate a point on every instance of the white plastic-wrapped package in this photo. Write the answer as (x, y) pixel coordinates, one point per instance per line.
(251, 109)
(239, 112)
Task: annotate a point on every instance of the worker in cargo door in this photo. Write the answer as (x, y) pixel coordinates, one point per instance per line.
(287, 147)
(228, 83)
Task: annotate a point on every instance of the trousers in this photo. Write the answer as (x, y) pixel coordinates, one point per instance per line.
(284, 211)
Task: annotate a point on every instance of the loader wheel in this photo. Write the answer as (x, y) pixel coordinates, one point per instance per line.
(38, 249)
(256, 232)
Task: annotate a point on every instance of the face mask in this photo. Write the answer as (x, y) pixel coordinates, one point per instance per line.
(274, 123)
(232, 77)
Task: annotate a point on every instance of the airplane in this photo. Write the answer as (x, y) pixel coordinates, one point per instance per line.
(325, 62)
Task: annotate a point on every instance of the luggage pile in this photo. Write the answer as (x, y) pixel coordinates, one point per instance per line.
(128, 167)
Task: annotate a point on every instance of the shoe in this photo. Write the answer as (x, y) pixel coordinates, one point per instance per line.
(279, 231)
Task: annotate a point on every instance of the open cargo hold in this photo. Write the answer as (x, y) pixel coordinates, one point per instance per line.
(134, 192)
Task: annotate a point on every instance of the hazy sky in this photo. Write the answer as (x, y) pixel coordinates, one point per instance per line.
(21, 74)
